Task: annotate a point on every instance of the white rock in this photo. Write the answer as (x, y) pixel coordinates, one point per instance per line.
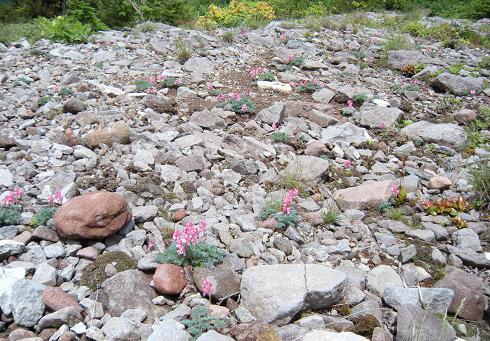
(276, 86)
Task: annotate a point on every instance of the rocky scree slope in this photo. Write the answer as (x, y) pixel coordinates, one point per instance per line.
(138, 142)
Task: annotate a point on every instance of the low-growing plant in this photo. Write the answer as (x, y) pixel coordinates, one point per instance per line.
(280, 136)
(147, 27)
(294, 60)
(286, 215)
(444, 206)
(188, 250)
(330, 216)
(237, 103)
(228, 37)
(43, 100)
(200, 322)
(479, 176)
(43, 216)
(307, 86)
(64, 91)
(10, 215)
(294, 179)
(142, 85)
(398, 195)
(409, 70)
(237, 13)
(65, 29)
(262, 74)
(397, 42)
(182, 51)
(359, 99)
(270, 208)
(395, 213)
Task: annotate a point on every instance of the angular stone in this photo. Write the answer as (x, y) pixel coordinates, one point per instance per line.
(413, 321)
(274, 113)
(399, 58)
(55, 299)
(7, 279)
(199, 65)
(10, 247)
(159, 104)
(209, 119)
(92, 216)
(276, 293)
(433, 299)
(118, 329)
(374, 116)
(225, 282)
(325, 335)
(436, 132)
(439, 182)
(308, 168)
(367, 195)
(26, 302)
(169, 330)
(469, 299)
(382, 277)
(118, 293)
(458, 85)
(467, 238)
(345, 133)
(69, 316)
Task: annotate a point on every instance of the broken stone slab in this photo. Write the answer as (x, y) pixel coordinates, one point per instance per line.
(433, 299)
(308, 168)
(375, 116)
(276, 293)
(436, 132)
(276, 86)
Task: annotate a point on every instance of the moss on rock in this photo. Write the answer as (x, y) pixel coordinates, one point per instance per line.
(94, 274)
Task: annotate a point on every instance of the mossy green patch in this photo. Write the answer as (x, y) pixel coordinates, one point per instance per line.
(94, 274)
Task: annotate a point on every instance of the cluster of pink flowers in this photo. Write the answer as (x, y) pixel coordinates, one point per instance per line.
(233, 96)
(56, 198)
(257, 71)
(381, 125)
(210, 86)
(289, 58)
(473, 92)
(288, 200)
(189, 235)
(350, 103)
(157, 79)
(283, 37)
(12, 197)
(151, 245)
(207, 287)
(244, 108)
(305, 82)
(347, 164)
(275, 125)
(395, 190)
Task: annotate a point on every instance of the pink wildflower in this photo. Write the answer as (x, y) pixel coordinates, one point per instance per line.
(220, 97)
(12, 197)
(473, 92)
(244, 108)
(210, 86)
(189, 235)
(288, 200)
(275, 125)
(151, 90)
(207, 287)
(151, 79)
(347, 164)
(395, 190)
(236, 96)
(161, 78)
(350, 103)
(257, 71)
(283, 37)
(151, 245)
(381, 125)
(56, 198)
(289, 58)
(178, 81)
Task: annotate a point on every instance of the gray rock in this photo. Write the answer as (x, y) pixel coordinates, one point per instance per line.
(74, 106)
(308, 168)
(466, 238)
(276, 293)
(119, 329)
(199, 65)
(137, 315)
(8, 276)
(45, 274)
(436, 132)
(225, 281)
(415, 323)
(367, 195)
(323, 96)
(144, 213)
(326, 335)
(274, 113)
(26, 302)
(345, 133)
(10, 247)
(118, 294)
(213, 335)
(191, 163)
(470, 257)
(382, 277)
(426, 235)
(458, 85)
(169, 330)
(374, 116)
(439, 231)
(6, 177)
(433, 299)
(400, 58)
(208, 118)
(242, 247)
(407, 253)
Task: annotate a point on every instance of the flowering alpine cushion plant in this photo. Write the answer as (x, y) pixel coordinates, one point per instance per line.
(152, 83)
(236, 102)
(261, 74)
(286, 215)
(187, 248)
(10, 211)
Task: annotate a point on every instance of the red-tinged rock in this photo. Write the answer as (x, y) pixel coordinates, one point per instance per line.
(178, 216)
(56, 299)
(92, 216)
(169, 279)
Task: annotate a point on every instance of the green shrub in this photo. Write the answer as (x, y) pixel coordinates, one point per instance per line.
(86, 14)
(280, 136)
(197, 255)
(415, 28)
(330, 216)
(228, 37)
(397, 42)
(238, 13)
(168, 11)
(112, 13)
(271, 207)
(65, 29)
(10, 215)
(15, 31)
(43, 216)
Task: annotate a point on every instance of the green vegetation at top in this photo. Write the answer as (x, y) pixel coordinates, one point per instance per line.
(25, 18)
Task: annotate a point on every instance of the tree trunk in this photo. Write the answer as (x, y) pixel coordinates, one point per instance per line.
(63, 7)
